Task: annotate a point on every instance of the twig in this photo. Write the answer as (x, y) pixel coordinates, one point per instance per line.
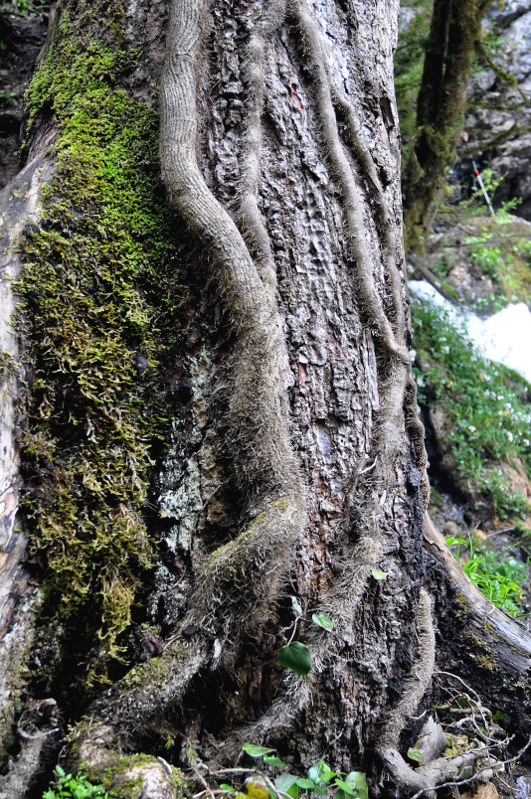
(501, 532)
(474, 777)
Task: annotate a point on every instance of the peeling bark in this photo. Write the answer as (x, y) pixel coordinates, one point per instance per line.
(19, 206)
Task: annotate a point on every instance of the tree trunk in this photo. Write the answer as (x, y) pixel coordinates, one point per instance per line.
(295, 465)
(455, 30)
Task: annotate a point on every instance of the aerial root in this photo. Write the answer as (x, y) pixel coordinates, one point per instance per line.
(254, 73)
(245, 572)
(417, 681)
(371, 302)
(416, 431)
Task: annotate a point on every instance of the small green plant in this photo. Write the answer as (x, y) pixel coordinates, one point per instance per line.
(489, 260)
(70, 787)
(499, 580)
(295, 655)
(321, 780)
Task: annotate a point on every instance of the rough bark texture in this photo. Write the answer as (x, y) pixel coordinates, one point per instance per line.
(296, 464)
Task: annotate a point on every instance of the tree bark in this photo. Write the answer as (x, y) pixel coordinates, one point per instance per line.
(296, 464)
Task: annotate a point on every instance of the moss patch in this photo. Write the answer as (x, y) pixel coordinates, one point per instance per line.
(102, 298)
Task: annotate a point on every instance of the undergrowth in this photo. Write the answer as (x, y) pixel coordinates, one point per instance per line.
(74, 787)
(500, 580)
(487, 406)
(101, 300)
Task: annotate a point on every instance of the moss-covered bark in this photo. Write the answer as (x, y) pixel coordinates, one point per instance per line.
(101, 299)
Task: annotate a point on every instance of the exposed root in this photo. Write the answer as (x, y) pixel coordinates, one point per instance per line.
(430, 775)
(140, 777)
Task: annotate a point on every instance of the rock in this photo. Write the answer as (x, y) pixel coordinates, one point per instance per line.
(497, 110)
(451, 529)
(485, 790)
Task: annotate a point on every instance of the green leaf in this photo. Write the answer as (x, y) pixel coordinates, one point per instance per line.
(273, 760)
(321, 773)
(414, 754)
(451, 540)
(322, 621)
(308, 785)
(256, 751)
(225, 787)
(296, 656)
(288, 784)
(358, 781)
(296, 605)
(345, 787)
(378, 574)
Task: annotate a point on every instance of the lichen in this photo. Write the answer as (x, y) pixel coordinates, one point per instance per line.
(101, 299)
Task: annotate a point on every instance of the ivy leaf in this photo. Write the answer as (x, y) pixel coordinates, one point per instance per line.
(308, 785)
(287, 783)
(321, 772)
(378, 574)
(345, 787)
(322, 621)
(358, 781)
(296, 656)
(273, 760)
(296, 606)
(256, 751)
(414, 754)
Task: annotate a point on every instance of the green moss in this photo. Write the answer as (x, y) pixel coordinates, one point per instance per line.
(101, 297)
(152, 672)
(236, 548)
(9, 366)
(119, 785)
